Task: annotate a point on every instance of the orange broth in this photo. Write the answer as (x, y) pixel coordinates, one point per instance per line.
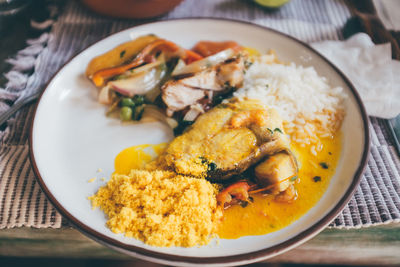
(264, 215)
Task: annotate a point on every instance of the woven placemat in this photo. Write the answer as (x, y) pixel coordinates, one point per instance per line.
(22, 203)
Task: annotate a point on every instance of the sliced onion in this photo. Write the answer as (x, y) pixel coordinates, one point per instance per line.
(179, 66)
(139, 84)
(105, 95)
(133, 72)
(171, 122)
(154, 113)
(205, 63)
(153, 93)
(193, 113)
(156, 90)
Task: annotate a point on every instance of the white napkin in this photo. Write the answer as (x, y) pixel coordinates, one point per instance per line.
(371, 70)
(388, 13)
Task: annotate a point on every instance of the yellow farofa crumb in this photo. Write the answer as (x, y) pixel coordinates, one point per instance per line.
(160, 208)
(92, 180)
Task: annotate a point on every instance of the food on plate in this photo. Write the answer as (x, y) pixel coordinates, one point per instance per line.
(208, 48)
(162, 74)
(257, 141)
(311, 109)
(201, 80)
(231, 137)
(160, 208)
(226, 141)
(118, 55)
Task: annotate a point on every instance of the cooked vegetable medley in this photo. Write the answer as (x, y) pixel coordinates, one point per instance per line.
(153, 71)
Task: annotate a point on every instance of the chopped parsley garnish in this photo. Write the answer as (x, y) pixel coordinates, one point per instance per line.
(244, 203)
(222, 106)
(294, 178)
(323, 165)
(317, 179)
(278, 130)
(219, 98)
(229, 93)
(227, 85)
(203, 160)
(139, 100)
(272, 132)
(163, 67)
(182, 125)
(247, 64)
(139, 113)
(121, 55)
(211, 167)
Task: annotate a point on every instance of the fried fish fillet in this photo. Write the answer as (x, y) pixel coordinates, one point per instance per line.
(226, 141)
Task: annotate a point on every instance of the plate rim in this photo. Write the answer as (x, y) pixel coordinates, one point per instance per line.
(249, 257)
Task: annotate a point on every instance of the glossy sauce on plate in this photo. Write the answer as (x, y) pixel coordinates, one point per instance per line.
(136, 157)
(264, 215)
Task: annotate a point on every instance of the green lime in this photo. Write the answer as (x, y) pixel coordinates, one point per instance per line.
(271, 3)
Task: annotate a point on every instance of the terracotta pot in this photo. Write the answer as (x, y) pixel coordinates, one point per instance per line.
(131, 8)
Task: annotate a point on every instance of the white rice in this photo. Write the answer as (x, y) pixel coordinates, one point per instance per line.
(310, 107)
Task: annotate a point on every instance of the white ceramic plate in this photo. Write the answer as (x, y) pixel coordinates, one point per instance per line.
(71, 139)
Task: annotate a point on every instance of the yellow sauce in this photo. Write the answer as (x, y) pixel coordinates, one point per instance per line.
(266, 215)
(136, 157)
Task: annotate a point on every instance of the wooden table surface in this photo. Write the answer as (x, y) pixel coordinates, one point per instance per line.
(375, 245)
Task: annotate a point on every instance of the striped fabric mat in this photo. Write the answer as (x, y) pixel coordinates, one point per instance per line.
(23, 204)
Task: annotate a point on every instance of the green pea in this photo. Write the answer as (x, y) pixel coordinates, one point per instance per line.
(127, 102)
(125, 114)
(139, 100)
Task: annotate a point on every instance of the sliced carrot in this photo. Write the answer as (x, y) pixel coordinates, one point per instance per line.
(208, 48)
(191, 56)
